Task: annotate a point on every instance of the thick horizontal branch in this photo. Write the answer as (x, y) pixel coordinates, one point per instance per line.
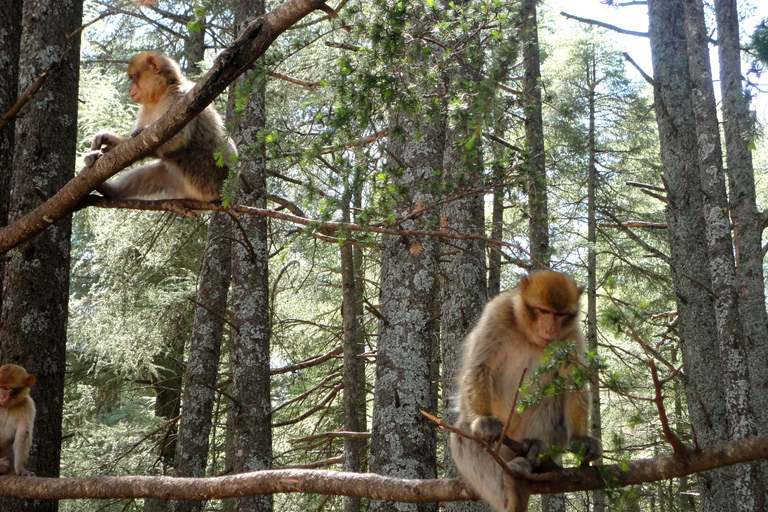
(368, 485)
(230, 64)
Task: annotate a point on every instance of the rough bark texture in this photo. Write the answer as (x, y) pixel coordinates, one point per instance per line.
(251, 416)
(595, 427)
(10, 46)
(33, 321)
(166, 381)
(354, 344)
(10, 40)
(403, 441)
(534, 169)
(690, 271)
(747, 229)
(748, 480)
(462, 262)
(203, 357)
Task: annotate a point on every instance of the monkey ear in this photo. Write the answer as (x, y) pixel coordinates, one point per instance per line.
(525, 281)
(580, 290)
(30, 380)
(153, 64)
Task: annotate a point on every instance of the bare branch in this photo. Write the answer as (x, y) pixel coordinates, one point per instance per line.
(604, 25)
(368, 485)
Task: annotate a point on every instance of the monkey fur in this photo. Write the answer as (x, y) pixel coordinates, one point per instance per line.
(187, 167)
(17, 417)
(510, 337)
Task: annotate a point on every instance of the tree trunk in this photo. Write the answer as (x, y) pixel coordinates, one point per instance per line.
(403, 442)
(596, 427)
(167, 384)
(203, 358)
(534, 169)
(251, 408)
(33, 320)
(688, 257)
(462, 263)
(354, 344)
(10, 27)
(747, 229)
(748, 481)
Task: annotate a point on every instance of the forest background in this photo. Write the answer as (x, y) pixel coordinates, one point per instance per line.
(408, 161)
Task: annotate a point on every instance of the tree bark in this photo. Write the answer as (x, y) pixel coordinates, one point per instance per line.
(10, 46)
(373, 486)
(534, 169)
(354, 343)
(33, 320)
(462, 262)
(403, 441)
(203, 358)
(690, 266)
(596, 427)
(747, 230)
(748, 480)
(251, 418)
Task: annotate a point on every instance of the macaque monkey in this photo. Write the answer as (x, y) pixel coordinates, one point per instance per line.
(17, 417)
(510, 338)
(187, 167)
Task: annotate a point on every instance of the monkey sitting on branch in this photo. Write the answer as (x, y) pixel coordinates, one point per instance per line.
(508, 341)
(17, 417)
(192, 165)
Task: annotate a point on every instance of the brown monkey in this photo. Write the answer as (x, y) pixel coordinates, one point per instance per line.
(509, 338)
(17, 417)
(187, 167)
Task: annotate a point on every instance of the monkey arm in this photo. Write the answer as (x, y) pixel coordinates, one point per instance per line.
(22, 443)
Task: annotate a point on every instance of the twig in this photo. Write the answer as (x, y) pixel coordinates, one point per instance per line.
(677, 445)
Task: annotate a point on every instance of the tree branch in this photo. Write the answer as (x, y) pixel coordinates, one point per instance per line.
(369, 485)
(230, 64)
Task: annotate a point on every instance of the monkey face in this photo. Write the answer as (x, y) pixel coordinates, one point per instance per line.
(548, 325)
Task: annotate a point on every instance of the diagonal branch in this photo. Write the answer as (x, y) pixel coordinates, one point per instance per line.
(230, 64)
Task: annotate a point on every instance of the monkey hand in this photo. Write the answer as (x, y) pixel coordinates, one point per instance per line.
(535, 451)
(137, 131)
(586, 448)
(520, 466)
(105, 141)
(5, 465)
(91, 158)
(487, 428)
(24, 472)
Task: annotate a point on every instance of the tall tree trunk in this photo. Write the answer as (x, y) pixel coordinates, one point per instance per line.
(596, 427)
(33, 320)
(403, 442)
(462, 262)
(534, 169)
(167, 385)
(10, 27)
(251, 408)
(203, 359)
(688, 256)
(354, 344)
(748, 481)
(747, 229)
(194, 48)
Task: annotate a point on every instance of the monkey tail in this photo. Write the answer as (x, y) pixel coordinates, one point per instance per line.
(487, 478)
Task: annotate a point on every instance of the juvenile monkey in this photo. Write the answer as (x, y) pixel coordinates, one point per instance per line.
(17, 417)
(510, 338)
(187, 167)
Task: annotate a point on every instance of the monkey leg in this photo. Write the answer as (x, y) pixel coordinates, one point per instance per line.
(488, 478)
(152, 180)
